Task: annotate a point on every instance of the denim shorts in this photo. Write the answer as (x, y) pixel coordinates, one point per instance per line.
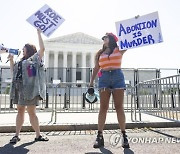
(113, 79)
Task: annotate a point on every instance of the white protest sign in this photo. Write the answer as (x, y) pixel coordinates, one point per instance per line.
(46, 19)
(140, 31)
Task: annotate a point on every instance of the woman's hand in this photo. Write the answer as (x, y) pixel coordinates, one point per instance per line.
(38, 31)
(91, 85)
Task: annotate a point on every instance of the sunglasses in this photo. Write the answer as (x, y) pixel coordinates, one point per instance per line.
(104, 37)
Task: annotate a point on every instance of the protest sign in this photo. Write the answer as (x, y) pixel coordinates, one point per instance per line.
(139, 31)
(46, 19)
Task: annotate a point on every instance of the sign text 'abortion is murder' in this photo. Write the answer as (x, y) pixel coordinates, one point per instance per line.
(46, 19)
(139, 31)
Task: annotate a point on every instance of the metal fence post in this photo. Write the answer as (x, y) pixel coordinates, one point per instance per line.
(47, 99)
(84, 101)
(55, 104)
(178, 71)
(158, 73)
(136, 80)
(11, 103)
(65, 104)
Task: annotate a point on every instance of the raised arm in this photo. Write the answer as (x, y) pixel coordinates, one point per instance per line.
(10, 57)
(41, 44)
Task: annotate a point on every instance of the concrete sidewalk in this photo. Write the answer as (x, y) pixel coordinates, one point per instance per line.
(81, 121)
(156, 141)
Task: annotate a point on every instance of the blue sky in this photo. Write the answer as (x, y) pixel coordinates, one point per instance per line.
(96, 17)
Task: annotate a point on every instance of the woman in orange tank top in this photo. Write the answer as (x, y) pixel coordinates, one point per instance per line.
(110, 81)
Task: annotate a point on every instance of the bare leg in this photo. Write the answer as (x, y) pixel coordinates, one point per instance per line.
(104, 105)
(19, 118)
(118, 95)
(34, 119)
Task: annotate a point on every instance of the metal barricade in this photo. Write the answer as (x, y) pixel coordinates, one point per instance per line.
(6, 104)
(159, 97)
(70, 98)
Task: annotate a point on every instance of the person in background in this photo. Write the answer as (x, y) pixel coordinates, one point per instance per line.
(110, 81)
(28, 86)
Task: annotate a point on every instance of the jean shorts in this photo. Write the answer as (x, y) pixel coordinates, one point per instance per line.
(113, 79)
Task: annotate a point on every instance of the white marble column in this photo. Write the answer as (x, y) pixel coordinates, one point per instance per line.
(47, 53)
(64, 65)
(84, 66)
(56, 65)
(74, 66)
(92, 60)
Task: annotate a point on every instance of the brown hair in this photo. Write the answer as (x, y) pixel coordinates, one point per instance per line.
(98, 54)
(112, 46)
(30, 50)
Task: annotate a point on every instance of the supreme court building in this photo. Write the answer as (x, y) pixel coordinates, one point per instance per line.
(70, 58)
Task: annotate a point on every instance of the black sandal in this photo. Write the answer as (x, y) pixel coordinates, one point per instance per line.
(40, 138)
(14, 140)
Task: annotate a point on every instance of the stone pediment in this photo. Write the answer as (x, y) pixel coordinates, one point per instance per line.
(76, 38)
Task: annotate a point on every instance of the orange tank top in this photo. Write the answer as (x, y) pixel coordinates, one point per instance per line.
(114, 60)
